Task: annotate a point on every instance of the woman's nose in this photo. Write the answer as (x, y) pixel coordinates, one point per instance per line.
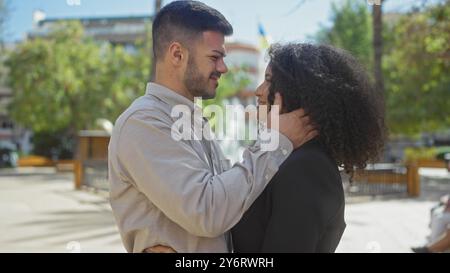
(258, 92)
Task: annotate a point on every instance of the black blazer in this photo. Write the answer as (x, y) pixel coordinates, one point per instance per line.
(301, 209)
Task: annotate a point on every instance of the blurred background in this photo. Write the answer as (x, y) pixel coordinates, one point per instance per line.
(68, 68)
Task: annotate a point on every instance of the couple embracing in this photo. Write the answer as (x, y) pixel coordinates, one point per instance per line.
(172, 195)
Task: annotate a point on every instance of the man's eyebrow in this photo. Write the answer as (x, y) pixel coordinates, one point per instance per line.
(220, 52)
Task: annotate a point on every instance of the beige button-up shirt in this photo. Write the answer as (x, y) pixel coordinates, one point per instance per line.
(181, 194)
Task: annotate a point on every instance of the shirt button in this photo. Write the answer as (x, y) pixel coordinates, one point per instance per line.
(267, 177)
(284, 151)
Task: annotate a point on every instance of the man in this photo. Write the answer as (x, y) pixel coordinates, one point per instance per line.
(181, 193)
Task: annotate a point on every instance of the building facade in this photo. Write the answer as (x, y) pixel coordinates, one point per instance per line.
(118, 30)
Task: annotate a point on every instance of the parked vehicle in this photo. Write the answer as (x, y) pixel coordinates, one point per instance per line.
(8, 154)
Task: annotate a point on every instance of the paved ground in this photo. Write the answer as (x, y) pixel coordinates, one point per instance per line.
(385, 226)
(40, 212)
(396, 223)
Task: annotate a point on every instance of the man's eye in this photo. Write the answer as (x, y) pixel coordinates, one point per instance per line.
(214, 58)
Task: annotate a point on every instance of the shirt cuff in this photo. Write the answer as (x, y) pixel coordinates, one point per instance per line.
(282, 149)
(285, 148)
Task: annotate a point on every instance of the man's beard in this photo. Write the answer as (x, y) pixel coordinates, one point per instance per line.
(196, 83)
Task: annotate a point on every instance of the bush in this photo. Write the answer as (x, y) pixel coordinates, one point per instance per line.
(420, 153)
(53, 145)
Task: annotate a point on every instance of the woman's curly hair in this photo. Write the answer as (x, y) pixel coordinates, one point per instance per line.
(336, 93)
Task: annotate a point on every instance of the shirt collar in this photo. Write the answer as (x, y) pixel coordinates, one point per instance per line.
(168, 96)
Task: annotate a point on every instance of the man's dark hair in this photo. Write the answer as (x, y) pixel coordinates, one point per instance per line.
(336, 93)
(183, 21)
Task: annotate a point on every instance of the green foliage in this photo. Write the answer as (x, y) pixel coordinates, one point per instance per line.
(417, 69)
(416, 61)
(55, 80)
(64, 82)
(3, 74)
(412, 154)
(67, 81)
(53, 145)
(4, 9)
(126, 76)
(351, 30)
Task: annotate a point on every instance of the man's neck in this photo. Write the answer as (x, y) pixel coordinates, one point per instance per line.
(175, 86)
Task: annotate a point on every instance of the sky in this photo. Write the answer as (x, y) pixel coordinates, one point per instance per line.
(281, 19)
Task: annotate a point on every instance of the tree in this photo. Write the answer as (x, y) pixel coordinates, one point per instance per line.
(55, 80)
(158, 4)
(415, 50)
(64, 82)
(126, 75)
(377, 23)
(416, 69)
(4, 7)
(350, 30)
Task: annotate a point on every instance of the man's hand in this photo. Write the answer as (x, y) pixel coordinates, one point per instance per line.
(159, 249)
(296, 125)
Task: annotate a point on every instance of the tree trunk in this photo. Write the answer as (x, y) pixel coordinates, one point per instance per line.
(72, 133)
(158, 4)
(378, 46)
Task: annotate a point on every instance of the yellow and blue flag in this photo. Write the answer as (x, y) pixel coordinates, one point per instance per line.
(264, 39)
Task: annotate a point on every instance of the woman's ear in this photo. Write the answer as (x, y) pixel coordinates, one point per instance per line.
(279, 101)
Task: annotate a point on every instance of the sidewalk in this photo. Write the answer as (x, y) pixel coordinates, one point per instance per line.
(40, 212)
(394, 225)
(385, 226)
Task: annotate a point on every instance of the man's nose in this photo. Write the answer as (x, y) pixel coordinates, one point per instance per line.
(222, 67)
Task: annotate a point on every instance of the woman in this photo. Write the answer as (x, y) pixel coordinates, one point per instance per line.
(302, 208)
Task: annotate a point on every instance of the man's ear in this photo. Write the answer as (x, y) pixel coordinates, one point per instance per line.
(176, 53)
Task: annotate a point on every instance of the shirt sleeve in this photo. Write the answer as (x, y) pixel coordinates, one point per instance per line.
(175, 179)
